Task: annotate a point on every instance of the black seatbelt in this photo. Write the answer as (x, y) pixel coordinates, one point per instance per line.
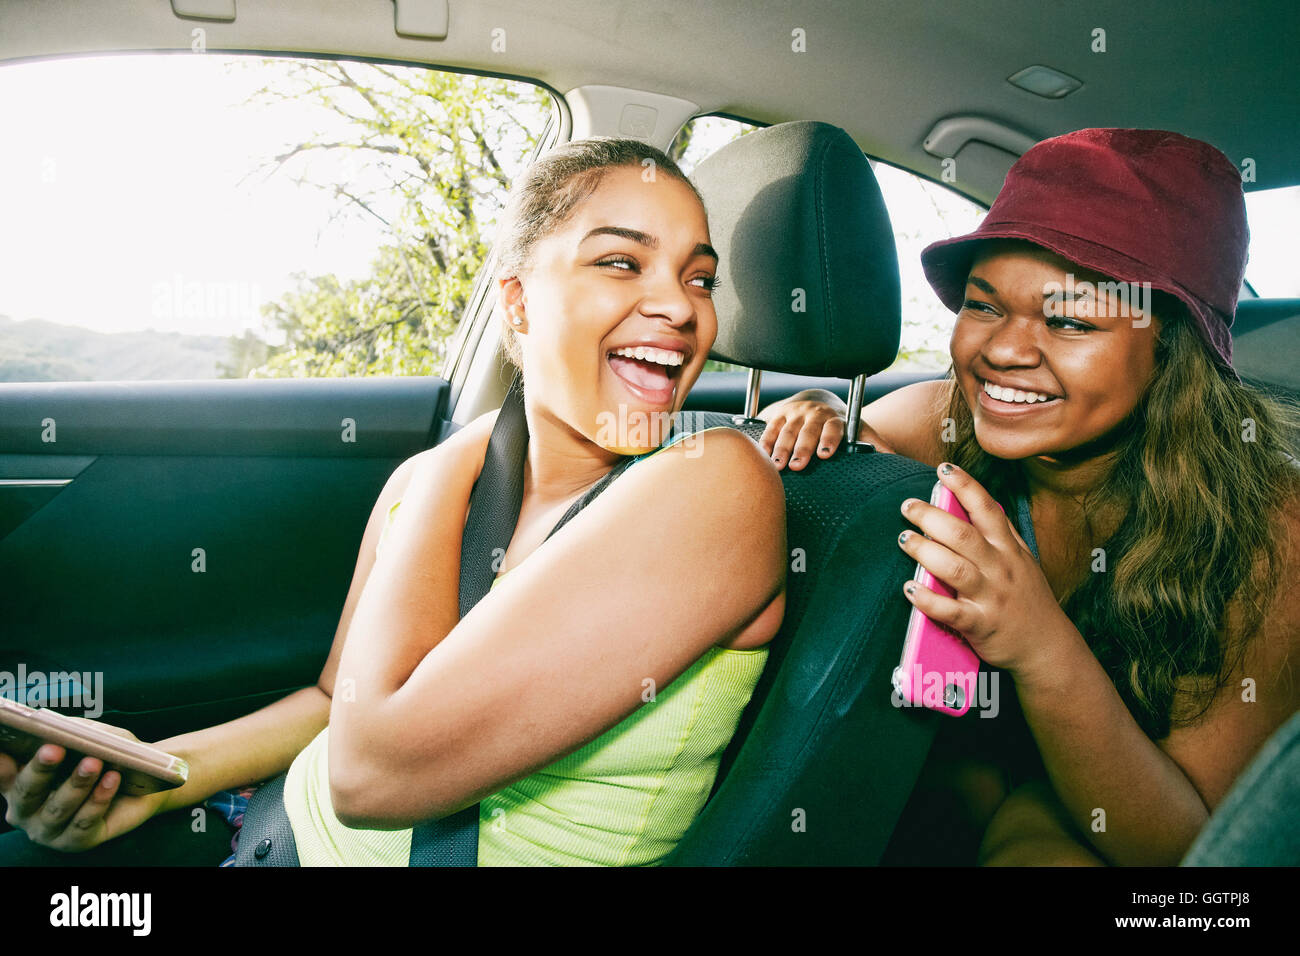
(494, 505)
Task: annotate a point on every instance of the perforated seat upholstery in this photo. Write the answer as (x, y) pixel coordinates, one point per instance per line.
(823, 761)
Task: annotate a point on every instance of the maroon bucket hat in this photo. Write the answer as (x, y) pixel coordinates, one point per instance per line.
(1136, 205)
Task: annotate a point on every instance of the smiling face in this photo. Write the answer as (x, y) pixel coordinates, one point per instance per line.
(1034, 321)
(616, 310)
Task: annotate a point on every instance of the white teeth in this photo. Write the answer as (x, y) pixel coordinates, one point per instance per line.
(648, 354)
(1014, 394)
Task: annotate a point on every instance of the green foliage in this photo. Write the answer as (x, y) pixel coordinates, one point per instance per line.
(677, 151)
(429, 154)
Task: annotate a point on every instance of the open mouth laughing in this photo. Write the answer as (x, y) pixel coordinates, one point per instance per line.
(648, 372)
(1007, 398)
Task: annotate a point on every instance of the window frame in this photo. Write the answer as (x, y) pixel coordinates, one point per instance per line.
(477, 316)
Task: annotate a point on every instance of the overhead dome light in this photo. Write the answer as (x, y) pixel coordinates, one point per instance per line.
(1045, 81)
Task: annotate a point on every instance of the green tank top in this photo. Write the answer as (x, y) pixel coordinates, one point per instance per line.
(624, 799)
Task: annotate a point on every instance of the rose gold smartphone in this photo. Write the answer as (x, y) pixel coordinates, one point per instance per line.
(144, 769)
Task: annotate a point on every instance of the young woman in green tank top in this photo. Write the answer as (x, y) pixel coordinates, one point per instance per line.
(586, 700)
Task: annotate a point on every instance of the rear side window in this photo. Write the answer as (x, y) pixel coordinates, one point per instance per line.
(183, 216)
(1273, 215)
(922, 212)
(702, 136)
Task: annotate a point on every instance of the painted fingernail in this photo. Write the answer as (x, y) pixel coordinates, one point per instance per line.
(824, 450)
(85, 769)
(902, 538)
(795, 461)
(910, 588)
(945, 469)
(907, 503)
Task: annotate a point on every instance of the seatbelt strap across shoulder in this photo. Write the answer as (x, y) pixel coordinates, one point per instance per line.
(494, 505)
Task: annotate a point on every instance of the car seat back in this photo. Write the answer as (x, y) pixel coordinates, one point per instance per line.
(823, 760)
(1265, 342)
(1254, 825)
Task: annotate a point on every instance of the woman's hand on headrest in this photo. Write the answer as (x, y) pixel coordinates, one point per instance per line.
(807, 423)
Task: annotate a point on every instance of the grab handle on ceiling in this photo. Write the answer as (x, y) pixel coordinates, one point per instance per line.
(950, 134)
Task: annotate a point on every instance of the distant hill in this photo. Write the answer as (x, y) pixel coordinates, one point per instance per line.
(38, 351)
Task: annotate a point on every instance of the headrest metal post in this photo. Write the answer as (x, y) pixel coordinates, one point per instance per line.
(751, 394)
(856, 390)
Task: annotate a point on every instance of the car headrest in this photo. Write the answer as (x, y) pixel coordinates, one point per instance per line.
(809, 272)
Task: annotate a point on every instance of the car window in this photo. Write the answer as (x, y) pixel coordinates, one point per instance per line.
(1272, 215)
(181, 216)
(702, 136)
(922, 212)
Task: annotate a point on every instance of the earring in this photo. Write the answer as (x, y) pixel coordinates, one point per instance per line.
(515, 320)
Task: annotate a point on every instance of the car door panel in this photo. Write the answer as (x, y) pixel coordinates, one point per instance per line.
(191, 543)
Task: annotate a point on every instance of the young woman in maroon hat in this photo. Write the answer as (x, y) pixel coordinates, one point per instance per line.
(1146, 606)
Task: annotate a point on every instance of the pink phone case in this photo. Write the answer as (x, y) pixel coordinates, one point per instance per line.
(938, 668)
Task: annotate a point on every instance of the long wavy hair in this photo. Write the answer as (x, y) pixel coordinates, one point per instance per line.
(1204, 467)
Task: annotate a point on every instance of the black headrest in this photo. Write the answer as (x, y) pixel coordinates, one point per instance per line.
(808, 265)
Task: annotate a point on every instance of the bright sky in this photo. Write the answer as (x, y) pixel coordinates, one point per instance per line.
(125, 185)
(1272, 216)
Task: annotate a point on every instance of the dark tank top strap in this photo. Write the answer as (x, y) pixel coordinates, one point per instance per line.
(1024, 522)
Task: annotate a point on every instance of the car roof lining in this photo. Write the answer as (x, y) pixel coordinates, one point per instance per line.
(914, 62)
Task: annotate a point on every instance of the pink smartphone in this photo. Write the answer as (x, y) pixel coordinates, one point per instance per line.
(144, 769)
(938, 668)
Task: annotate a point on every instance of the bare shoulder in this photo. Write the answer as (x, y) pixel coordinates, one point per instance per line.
(727, 454)
(910, 419)
(717, 480)
(719, 484)
(738, 503)
(932, 400)
(470, 440)
(394, 490)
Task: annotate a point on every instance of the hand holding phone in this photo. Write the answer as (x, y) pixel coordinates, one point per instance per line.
(938, 668)
(144, 769)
